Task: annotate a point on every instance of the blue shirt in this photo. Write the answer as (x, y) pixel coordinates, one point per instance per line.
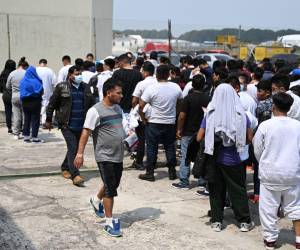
(228, 156)
(76, 120)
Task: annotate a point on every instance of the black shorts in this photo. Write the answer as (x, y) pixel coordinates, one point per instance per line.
(111, 174)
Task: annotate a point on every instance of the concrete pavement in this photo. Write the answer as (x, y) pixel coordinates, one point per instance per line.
(50, 213)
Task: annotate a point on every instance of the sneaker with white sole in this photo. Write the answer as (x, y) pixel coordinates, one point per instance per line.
(270, 245)
(203, 193)
(114, 230)
(99, 209)
(38, 140)
(216, 226)
(181, 186)
(246, 227)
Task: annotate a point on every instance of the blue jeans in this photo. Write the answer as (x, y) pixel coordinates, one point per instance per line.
(184, 171)
(160, 133)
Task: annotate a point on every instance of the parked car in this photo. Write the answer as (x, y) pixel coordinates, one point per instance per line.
(212, 57)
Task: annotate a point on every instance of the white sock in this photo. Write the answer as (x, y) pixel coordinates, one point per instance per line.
(298, 239)
(97, 200)
(109, 221)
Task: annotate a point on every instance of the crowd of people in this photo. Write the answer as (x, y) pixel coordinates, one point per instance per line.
(229, 118)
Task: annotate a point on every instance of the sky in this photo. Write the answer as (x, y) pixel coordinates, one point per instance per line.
(187, 15)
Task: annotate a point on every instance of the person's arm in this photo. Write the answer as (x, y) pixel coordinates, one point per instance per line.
(180, 124)
(135, 101)
(258, 143)
(249, 135)
(9, 84)
(53, 104)
(142, 105)
(201, 134)
(78, 162)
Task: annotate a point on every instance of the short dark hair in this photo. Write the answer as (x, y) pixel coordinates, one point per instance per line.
(265, 85)
(296, 90)
(44, 61)
(202, 61)
(110, 63)
(90, 54)
(281, 81)
(139, 61)
(99, 67)
(233, 80)
(188, 60)
(222, 73)
(283, 101)
(232, 64)
(73, 69)
(219, 64)
(268, 66)
(148, 67)
(163, 72)
(124, 58)
(164, 60)
(110, 84)
(87, 65)
(79, 62)
(198, 82)
(66, 58)
(258, 73)
(153, 55)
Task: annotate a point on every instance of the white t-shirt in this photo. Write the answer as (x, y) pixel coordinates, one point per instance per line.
(248, 103)
(252, 91)
(63, 73)
(101, 80)
(187, 88)
(295, 109)
(143, 85)
(49, 81)
(162, 98)
(87, 75)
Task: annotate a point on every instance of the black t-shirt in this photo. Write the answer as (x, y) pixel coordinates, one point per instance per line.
(129, 79)
(192, 105)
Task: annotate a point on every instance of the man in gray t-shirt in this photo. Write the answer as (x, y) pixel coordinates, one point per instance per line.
(105, 121)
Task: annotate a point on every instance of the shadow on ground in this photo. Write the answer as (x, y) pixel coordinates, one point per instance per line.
(11, 237)
(139, 214)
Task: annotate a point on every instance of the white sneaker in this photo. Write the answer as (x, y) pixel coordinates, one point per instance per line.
(246, 227)
(16, 137)
(38, 140)
(216, 226)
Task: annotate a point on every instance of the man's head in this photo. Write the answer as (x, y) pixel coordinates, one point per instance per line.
(73, 72)
(282, 103)
(280, 83)
(153, 55)
(148, 69)
(99, 67)
(43, 62)
(234, 82)
(87, 65)
(90, 57)
(162, 73)
(232, 65)
(109, 64)
(202, 63)
(257, 74)
(268, 66)
(187, 61)
(264, 90)
(198, 82)
(79, 62)
(124, 60)
(112, 91)
(163, 60)
(139, 62)
(220, 75)
(66, 60)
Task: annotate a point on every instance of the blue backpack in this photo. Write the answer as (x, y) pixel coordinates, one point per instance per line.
(31, 85)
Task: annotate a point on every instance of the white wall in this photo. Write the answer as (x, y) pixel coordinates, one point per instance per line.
(51, 29)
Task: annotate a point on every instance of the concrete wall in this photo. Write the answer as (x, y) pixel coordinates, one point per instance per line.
(51, 29)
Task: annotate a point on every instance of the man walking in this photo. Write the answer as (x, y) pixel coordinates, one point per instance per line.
(104, 120)
(71, 100)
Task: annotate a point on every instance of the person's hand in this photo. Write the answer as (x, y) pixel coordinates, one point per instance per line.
(178, 134)
(78, 162)
(48, 125)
